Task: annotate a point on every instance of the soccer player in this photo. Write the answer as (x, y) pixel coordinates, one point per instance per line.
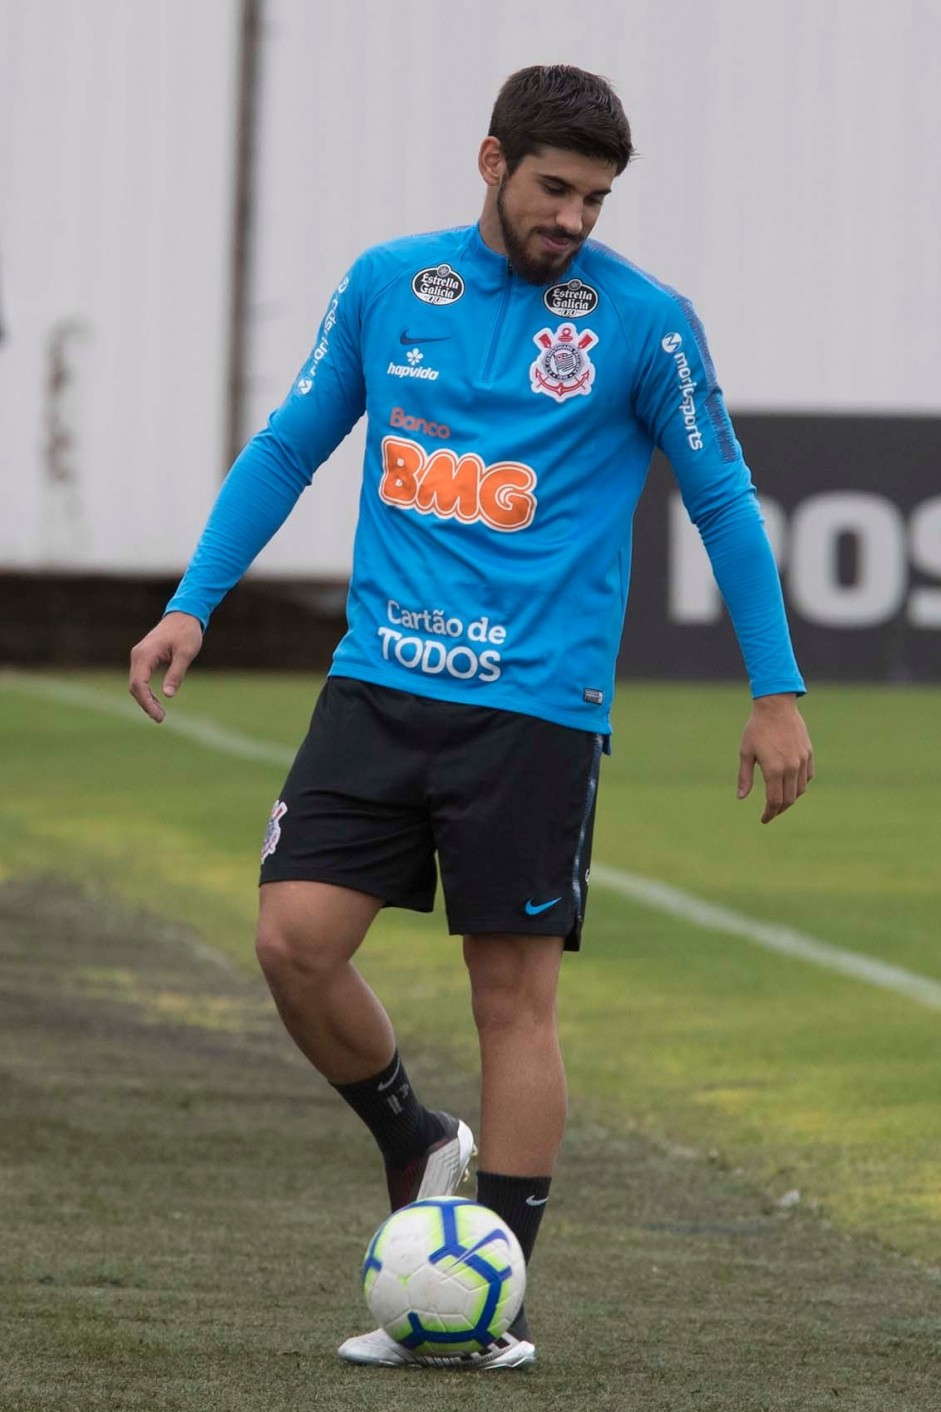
(516, 377)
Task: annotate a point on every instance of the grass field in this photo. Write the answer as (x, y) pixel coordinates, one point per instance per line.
(711, 1079)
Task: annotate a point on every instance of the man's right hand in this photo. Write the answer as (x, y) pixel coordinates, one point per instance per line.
(173, 643)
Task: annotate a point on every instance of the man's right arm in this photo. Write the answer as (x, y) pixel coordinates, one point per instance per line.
(327, 399)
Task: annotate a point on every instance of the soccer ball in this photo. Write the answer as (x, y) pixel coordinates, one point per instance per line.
(444, 1276)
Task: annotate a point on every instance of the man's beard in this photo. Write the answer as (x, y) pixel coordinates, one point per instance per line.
(529, 267)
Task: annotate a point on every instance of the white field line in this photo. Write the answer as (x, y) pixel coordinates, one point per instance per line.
(647, 891)
(772, 937)
(208, 733)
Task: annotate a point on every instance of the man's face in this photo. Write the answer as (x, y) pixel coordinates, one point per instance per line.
(547, 210)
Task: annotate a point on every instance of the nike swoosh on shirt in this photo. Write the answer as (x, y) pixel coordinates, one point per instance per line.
(534, 908)
(405, 338)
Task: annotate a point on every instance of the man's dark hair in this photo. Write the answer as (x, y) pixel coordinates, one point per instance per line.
(557, 105)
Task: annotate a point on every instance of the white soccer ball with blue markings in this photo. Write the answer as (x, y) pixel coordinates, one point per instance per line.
(444, 1276)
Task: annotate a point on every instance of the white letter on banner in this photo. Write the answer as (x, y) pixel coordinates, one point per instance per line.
(881, 563)
(924, 604)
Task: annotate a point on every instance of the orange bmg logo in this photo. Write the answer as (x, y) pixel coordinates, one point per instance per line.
(457, 487)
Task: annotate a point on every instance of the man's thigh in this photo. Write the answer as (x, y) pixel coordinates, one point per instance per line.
(318, 921)
(352, 812)
(513, 977)
(513, 815)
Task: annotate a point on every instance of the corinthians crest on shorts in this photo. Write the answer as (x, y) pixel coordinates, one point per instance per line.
(563, 367)
(273, 831)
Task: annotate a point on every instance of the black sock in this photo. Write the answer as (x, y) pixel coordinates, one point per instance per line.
(520, 1201)
(401, 1125)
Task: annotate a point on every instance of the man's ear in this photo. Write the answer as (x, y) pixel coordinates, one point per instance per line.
(491, 161)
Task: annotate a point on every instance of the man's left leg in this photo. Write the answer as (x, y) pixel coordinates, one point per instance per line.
(512, 810)
(523, 1102)
(514, 981)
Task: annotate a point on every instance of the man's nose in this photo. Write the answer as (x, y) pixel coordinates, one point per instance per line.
(569, 216)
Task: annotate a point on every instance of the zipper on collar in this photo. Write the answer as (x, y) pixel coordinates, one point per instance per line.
(486, 372)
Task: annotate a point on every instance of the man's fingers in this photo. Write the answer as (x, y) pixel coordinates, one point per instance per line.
(173, 644)
(746, 774)
(152, 706)
(145, 660)
(774, 798)
(791, 790)
(783, 789)
(139, 687)
(176, 672)
(776, 739)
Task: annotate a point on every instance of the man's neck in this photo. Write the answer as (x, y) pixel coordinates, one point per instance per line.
(491, 232)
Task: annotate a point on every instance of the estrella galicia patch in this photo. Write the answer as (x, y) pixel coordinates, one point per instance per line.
(571, 300)
(273, 831)
(562, 367)
(438, 284)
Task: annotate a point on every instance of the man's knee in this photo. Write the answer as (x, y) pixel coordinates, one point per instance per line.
(282, 949)
(513, 981)
(309, 929)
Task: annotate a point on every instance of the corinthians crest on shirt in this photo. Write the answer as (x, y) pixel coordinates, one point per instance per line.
(562, 367)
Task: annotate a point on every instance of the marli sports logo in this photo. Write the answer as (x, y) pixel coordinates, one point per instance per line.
(306, 381)
(672, 343)
(571, 300)
(563, 367)
(438, 284)
(448, 486)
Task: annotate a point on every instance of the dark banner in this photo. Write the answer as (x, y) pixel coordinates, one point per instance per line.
(853, 509)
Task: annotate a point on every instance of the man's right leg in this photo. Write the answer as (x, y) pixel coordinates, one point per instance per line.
(308, 933)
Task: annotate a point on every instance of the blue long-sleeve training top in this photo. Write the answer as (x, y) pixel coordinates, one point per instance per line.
(510, 430)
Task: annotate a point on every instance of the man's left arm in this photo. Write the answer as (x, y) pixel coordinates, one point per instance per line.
(679, 399)
(776, 739)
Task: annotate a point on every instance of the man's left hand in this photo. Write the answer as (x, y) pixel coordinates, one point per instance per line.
(776, 739)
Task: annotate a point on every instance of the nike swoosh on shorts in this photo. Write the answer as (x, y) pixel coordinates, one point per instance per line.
(533, 909)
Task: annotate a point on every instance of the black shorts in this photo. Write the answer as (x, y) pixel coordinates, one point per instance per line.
(386, 780)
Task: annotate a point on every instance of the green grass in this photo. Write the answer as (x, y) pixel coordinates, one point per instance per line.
(801, 1078)
(184, 1208)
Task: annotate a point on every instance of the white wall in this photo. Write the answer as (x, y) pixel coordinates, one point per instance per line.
(789, 183)
(115, 213)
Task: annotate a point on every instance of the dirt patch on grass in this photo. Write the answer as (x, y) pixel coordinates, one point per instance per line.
(184, 1208)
